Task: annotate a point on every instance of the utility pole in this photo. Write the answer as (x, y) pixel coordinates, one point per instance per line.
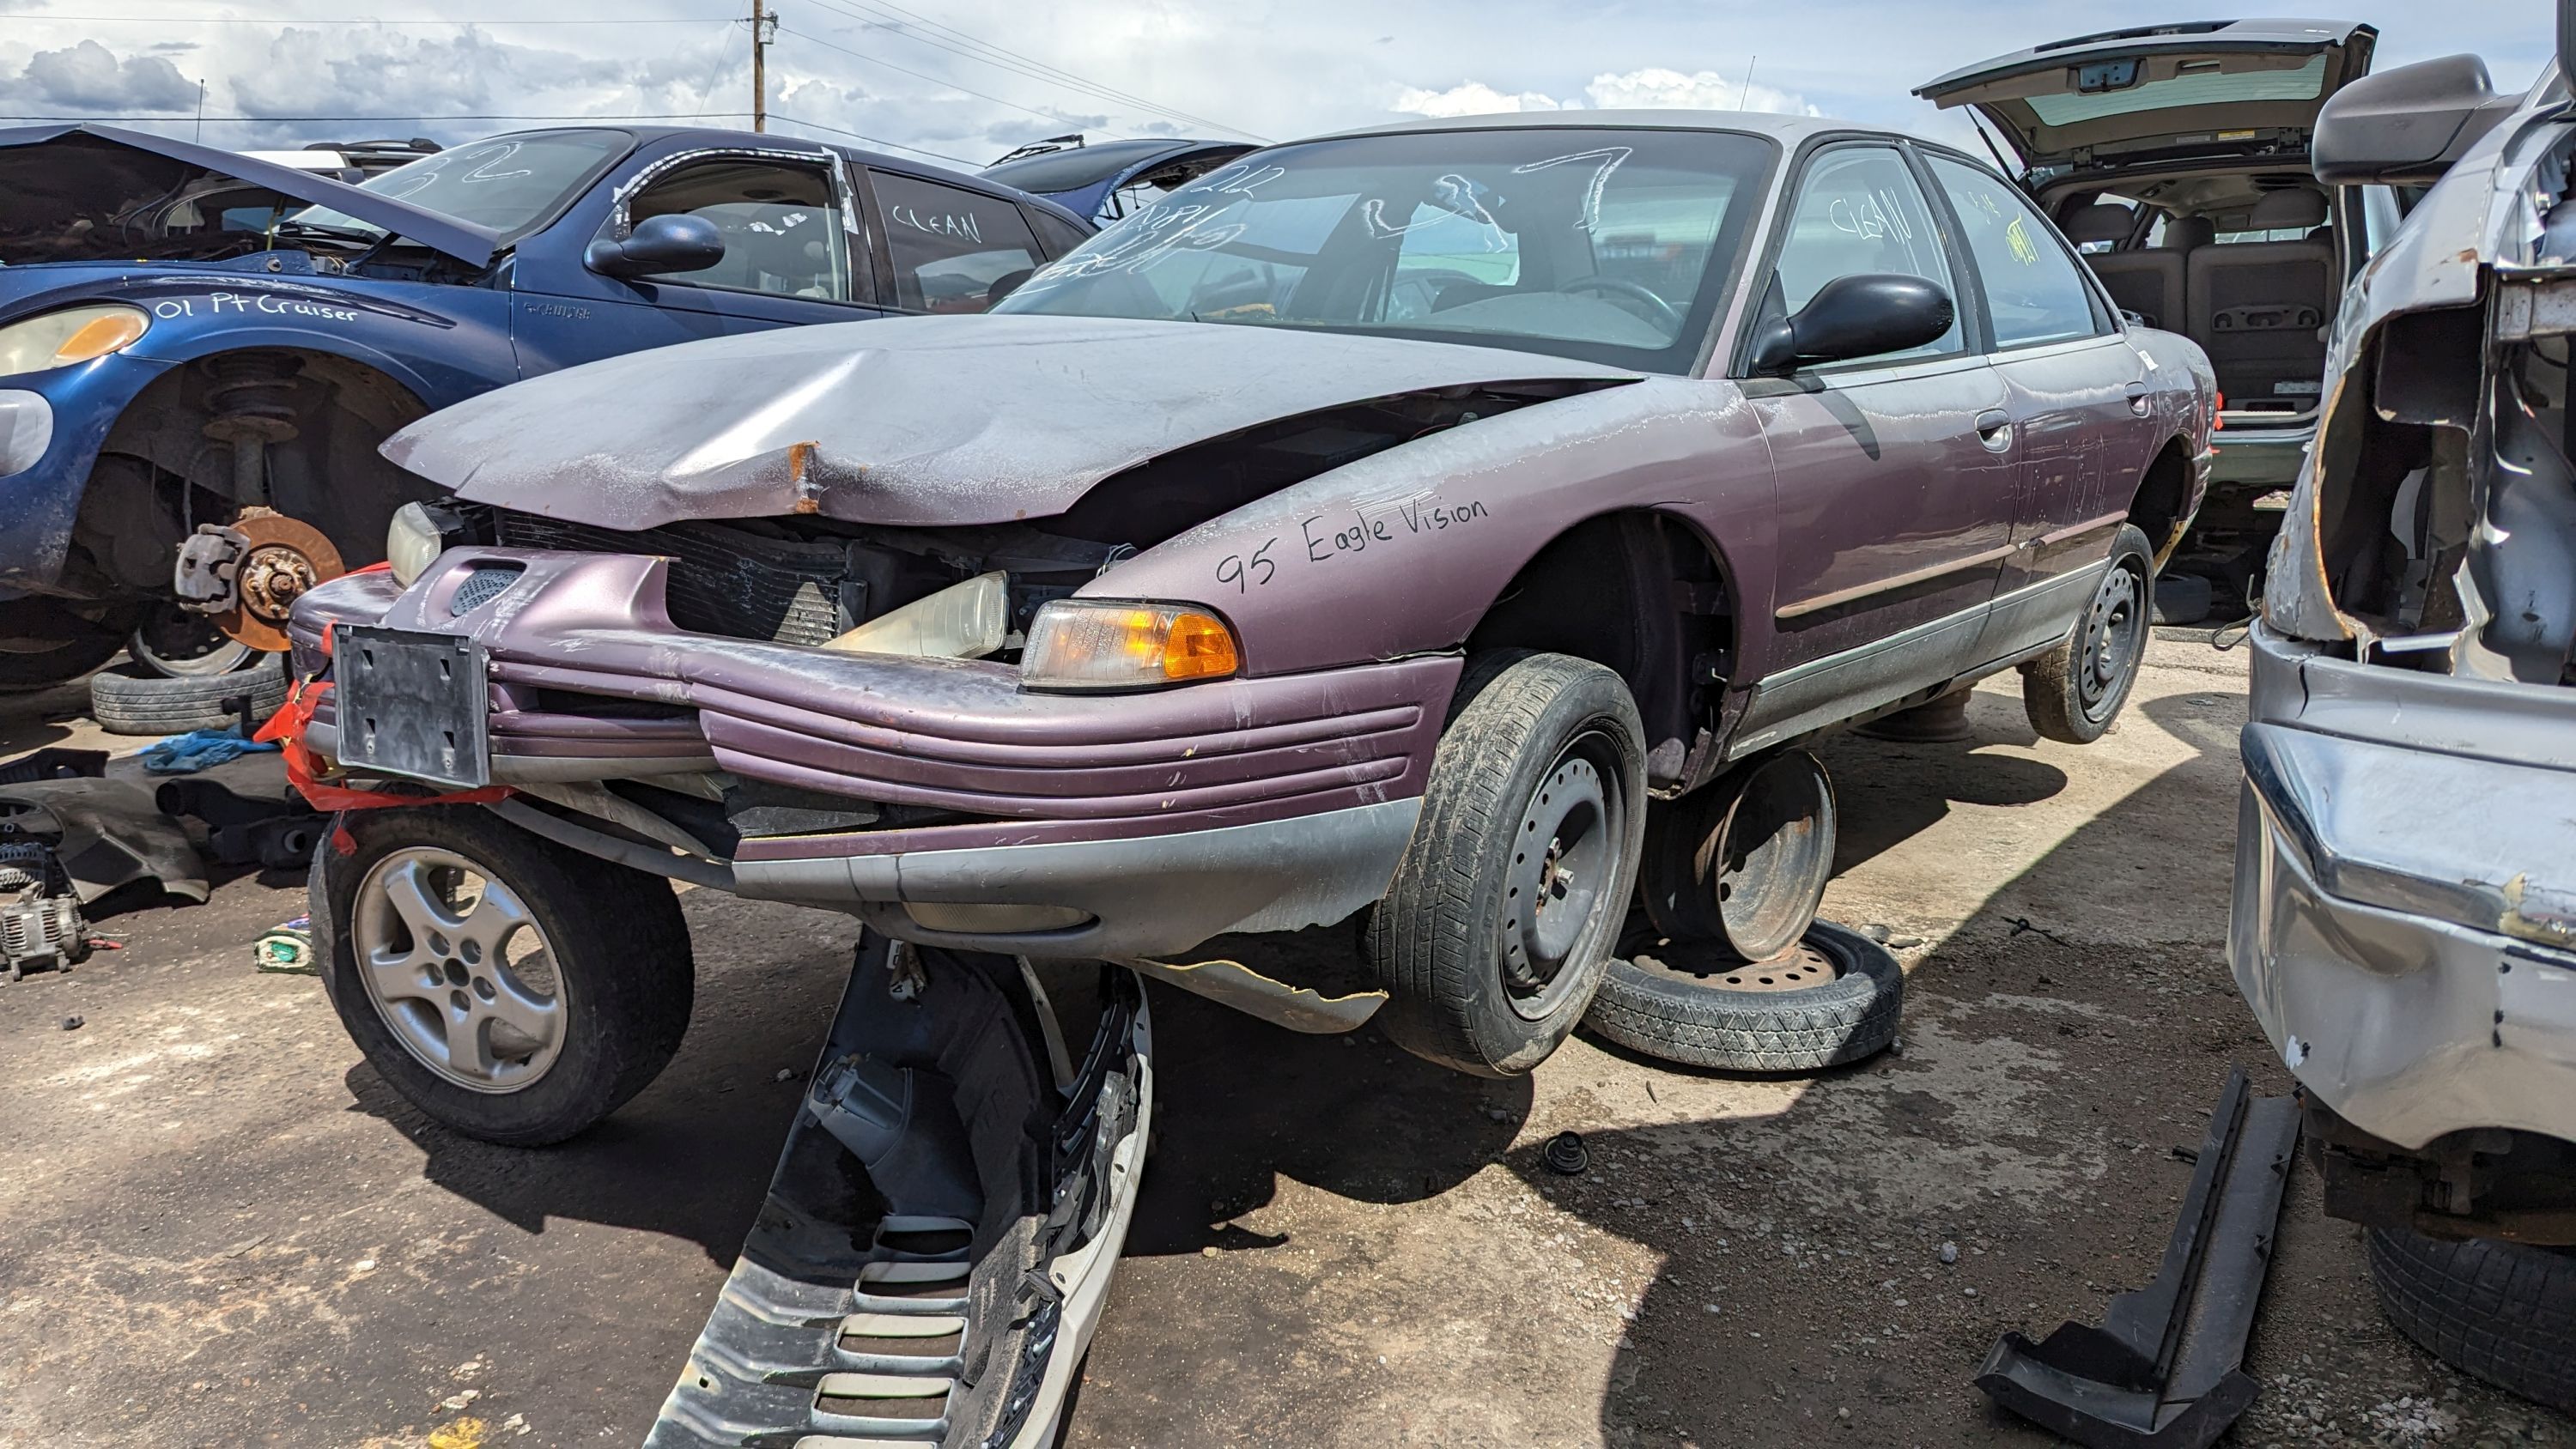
(764, 29)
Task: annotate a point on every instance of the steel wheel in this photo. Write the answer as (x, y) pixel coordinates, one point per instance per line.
(459, 970)
(1566, 855)
(2114, 631)
(175, 643)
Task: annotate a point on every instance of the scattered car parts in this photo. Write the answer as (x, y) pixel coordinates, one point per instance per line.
(2162, 1372)
(40, 918)
(1832, 998)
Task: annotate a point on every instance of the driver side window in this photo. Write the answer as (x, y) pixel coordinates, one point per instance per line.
(781, 226)
(1859, 213)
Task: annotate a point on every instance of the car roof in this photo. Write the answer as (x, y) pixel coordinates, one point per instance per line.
(1789, 130)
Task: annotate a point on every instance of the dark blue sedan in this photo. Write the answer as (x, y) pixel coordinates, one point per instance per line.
(201, 348)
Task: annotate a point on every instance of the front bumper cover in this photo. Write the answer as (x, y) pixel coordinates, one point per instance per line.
(1162, 818)
(2401, 922)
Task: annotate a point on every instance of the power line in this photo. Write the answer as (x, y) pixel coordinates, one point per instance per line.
(1021, 65)
(250, 20)
(184, 116)
(879, 141)
(1057, 118)
(881, 7)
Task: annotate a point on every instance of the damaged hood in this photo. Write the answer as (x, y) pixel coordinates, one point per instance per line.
(102, 193)
(933, 421)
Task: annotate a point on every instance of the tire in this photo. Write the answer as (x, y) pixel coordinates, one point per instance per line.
(2074, 691)
(1534, 740)
(2501, 1311)
(73, 646)
(180, 645)
(1695, 1019)
(149, 704)
(622, 980)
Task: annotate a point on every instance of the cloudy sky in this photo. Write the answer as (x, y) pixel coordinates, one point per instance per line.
(968, 79)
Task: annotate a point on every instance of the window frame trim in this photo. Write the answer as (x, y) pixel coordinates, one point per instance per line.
(2107, 320)
(620, 224)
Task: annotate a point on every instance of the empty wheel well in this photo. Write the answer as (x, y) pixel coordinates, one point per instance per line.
(169, 463)
(2157, 509)
(1645, 595)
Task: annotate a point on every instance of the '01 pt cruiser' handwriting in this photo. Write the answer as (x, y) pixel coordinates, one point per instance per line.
(1326, 535)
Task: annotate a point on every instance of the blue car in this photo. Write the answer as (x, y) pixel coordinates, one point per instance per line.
(202, 348)
(1107, 181)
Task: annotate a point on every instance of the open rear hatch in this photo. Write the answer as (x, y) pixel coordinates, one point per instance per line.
(2163, 93)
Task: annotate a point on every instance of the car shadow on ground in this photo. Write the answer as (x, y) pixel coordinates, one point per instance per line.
(690, 1158)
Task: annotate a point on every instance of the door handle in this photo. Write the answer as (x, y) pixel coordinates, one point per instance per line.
(2136, 393)
(1994, 429)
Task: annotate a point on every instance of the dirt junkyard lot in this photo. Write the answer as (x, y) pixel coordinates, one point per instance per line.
(217, 1228)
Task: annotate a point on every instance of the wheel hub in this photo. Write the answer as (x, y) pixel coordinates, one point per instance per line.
(459, 970)
(281, 559)
(1565, 853)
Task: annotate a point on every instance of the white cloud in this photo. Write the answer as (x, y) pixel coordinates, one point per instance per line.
(89, 77)
(1475, 98)
(1651, 89)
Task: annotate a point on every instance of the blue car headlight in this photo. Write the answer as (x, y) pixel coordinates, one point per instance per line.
(72, 335)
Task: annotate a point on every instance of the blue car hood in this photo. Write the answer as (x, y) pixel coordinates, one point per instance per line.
(100, 193)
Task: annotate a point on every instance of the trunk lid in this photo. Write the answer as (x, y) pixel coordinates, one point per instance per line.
(92, 193)
(2162, 92)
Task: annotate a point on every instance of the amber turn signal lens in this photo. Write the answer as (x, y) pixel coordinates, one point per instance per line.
(2218, 414)
(1086, 644)
(99, 336)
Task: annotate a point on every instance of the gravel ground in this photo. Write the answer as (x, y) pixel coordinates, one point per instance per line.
(218, 1228)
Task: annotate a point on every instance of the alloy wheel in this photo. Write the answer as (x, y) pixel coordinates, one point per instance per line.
(459, 969)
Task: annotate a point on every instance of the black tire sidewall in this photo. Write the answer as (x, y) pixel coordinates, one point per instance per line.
(2052, 691)
(1525, 710)
(2503, 1312)
(155, 704)
(619, 945)
(1845, 1020)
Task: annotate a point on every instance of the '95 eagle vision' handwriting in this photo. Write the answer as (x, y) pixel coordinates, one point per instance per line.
(1330, 535)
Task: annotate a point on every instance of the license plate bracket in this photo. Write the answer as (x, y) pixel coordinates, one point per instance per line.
(412, 703)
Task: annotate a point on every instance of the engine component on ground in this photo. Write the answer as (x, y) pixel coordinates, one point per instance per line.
(281, 559)
(132, 703)
(107, 834)
(40, 918)
(1742, 863)
(2162, 1372)
(2505, 1312)
(511, 988)
(1493, 936)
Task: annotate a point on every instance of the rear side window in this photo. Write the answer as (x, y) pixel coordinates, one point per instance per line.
(1859, 213)
(951, 246)
(2034, 292)
(1055, 233)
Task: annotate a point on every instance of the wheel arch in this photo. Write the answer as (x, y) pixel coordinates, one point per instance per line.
(158, 472)
(2162, 505)
(1671, 629)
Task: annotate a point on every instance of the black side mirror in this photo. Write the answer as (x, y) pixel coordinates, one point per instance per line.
(2406, 126)
(1857, 316)
(673, 242)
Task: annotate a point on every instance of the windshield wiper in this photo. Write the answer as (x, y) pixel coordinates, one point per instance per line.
(362, 236)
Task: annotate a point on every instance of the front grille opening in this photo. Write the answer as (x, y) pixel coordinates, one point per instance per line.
(726, 580)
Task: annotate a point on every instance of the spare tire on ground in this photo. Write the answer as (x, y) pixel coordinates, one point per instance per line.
(126, 702)
(1833, 999)
(2505, 1312)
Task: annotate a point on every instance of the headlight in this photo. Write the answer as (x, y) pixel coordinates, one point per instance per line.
(75, 334)
(1093, 644)
(413, 542)
(962, 621)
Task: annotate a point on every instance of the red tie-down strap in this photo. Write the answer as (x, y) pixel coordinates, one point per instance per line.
(286, 729)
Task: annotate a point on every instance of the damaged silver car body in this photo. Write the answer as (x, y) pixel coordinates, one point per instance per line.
(2405, 913)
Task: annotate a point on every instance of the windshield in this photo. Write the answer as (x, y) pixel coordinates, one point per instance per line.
(508, 183)
(1608, 245)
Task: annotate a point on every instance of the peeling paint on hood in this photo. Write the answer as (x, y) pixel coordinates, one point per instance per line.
(932, 421)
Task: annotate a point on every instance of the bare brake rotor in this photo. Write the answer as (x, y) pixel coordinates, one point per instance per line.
(281, 559)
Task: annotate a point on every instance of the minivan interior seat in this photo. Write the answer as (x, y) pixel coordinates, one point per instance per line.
(2148, 282)
(2259, 309)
